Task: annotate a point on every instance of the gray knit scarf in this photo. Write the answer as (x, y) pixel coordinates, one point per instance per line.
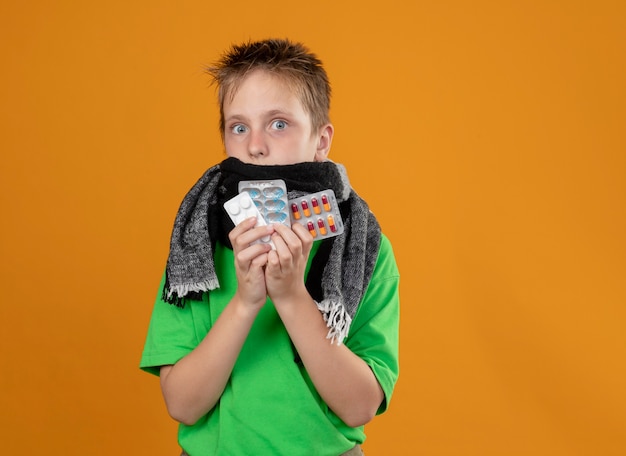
(341, 269)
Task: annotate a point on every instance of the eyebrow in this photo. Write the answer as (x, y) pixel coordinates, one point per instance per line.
(277, 112)
(270, 113)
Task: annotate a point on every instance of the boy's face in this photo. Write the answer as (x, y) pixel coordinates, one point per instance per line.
(265, 124)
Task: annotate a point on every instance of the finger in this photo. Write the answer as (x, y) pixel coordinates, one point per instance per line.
(289, 237)
(277, 238)
(241, 228)
(304, 236)
(252, 251)
(288, 246)
(273, 261)
(261, 260)
(246, 237)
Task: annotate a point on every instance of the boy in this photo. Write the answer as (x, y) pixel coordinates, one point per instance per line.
(287, 349)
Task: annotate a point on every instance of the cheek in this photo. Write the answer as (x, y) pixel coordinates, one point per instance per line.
(232, 148)
(232, 141)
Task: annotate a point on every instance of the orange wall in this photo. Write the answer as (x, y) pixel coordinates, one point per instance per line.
(488, 137)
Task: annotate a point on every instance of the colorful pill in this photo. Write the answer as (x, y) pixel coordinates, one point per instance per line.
(321, 226)
(331, 224)
(311, 228)
(316, 206)
(305, 209)
(273, 192)
(325, 203)
(254, 193)
(295, 211)
(276, 217)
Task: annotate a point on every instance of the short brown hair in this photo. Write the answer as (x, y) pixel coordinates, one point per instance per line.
(293, 62)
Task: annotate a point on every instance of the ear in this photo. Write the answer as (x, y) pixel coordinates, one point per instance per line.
(324, 140)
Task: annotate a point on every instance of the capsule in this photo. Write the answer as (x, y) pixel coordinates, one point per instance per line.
(325, 203)
(316, 206)
(311, 228)
(305, 209)
(295, 211)
(331, 224)
(321, 226)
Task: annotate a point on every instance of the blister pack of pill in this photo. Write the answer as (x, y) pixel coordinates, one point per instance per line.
(270, 198)
(317, 212)
(242, 207)
(268, 201)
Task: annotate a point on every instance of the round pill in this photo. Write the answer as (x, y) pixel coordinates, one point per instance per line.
(244, 203)
(233, 208)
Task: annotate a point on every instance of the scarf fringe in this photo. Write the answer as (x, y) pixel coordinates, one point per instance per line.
(175, 294)
(336, 318)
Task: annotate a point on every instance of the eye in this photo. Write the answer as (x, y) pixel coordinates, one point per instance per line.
(279, 125)
(239, 129)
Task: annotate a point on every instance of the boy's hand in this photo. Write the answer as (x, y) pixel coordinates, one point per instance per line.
(250, 261)
(284, 274)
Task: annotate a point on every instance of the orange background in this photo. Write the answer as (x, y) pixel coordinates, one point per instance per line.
(487, 136)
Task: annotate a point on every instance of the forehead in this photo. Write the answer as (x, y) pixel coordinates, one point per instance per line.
(261, 86)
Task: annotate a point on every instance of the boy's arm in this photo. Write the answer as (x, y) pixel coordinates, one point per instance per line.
(345, 381)
(193, 385)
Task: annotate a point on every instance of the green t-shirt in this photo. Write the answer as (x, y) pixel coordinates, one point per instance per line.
(270, 405)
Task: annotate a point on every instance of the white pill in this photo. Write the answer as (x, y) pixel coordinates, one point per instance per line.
(233, 208)
(245, 203)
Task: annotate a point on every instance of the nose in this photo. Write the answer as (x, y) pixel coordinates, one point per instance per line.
(257, 146)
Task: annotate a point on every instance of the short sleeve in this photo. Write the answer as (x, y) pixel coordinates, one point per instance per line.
(374, 333)
(173, 332)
